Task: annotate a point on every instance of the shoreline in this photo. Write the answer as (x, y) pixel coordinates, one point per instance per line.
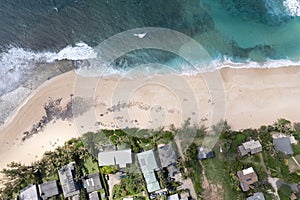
(253, 97)
(15, 112)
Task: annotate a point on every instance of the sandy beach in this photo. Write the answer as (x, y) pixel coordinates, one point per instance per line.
(252, 97)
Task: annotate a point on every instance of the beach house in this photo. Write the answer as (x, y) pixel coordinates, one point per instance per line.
(69, 185)
(282, 143)
(247, 177)
(252, 146)
(120, 157)
(48, 189)
(168, 158)
(92, 182)
(204, 153)
(148, 164)
(30, 192)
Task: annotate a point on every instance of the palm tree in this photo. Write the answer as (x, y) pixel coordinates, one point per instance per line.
(269, 147)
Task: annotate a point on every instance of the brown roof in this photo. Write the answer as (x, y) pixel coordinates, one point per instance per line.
(247, 177)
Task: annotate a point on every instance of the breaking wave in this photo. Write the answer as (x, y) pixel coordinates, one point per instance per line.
(292, 7)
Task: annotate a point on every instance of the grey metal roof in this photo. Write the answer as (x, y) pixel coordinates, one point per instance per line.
(48, 189)
(242, 150)
(167, 155)
(257, 196)
(252, 144)
(94, 196)
(66, 176)
(29, 193)
(92, 182)
(120, 157)
(283, 145)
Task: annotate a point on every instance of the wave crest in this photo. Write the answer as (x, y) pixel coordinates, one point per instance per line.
(292, 7)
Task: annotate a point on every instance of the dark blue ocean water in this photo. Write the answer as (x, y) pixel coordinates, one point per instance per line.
(240, 29)
(256, 33)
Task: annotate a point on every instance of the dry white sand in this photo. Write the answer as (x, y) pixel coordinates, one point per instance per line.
(252, 97)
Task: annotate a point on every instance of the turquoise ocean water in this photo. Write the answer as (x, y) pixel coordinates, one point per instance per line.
(256, 33)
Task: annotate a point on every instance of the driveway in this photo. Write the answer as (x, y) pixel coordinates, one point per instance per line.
(114, 179)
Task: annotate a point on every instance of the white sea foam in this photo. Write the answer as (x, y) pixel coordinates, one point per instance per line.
(293, 7)
(17, 67)
(16, 64)
(80, 51)
(227, 62)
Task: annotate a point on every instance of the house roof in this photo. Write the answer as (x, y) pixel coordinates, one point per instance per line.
(94, 196)
(167, 155)
(148, 161)
(204, 153)
(283, 144)
(66, 176)
(154, 186)
(48, 189)
(173, 197)
(173, 169)
(257, 196)
(150, 177)
(92, 182)
(252, 144)
(242, 150)
(120, 157)
(247, 177)
(30, 192)
(248, 171)
(151, 181)
(148, 164)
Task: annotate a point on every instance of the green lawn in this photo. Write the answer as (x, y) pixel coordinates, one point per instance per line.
(91, 165)
(216, 174)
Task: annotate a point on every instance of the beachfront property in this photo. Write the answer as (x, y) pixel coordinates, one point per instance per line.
(257, 196)
(167, 155)
(252, 147)
(30, 192)
(247, 177)
(120, 157)
(67, 179)
(48, 189)
(168, 158)
(148, 164)
(92, 182)
(204, 153)
(282, 143)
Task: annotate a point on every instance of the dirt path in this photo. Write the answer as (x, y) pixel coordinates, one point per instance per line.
(188, 182)
(271, 180)
(114, 179)
(211, 191)
(263, 164)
